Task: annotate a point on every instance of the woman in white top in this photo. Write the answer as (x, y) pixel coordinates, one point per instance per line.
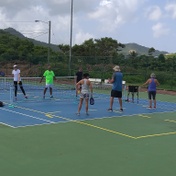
(86, 88)
(17, 80)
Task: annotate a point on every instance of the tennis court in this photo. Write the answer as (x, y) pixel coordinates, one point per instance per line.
(45, 136)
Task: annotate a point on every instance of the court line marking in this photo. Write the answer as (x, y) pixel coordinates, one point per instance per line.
(78, 122)
(157, 135)
(169, 106)
(105, 129)
(53, 112)
(98, 127)
(168, 120)
(5, 124)
(101, 128)
(141, 115)
(15, 112)
(37, 111)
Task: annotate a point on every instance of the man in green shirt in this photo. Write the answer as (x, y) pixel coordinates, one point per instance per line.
(49, 77)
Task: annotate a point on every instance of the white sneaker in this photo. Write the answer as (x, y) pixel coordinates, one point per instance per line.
(78, 114)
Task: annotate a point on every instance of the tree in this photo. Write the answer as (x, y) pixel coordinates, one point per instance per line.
(64, 48)
(133, 53)
(151, 51)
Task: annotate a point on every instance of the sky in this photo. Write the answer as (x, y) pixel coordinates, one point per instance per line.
(150, 23)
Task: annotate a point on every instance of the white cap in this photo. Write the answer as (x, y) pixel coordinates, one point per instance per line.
(14, 66)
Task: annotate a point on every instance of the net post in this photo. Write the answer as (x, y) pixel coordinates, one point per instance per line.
(11, 97)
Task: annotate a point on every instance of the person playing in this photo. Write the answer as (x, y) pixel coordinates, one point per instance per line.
(49, 77)
(79, 76)
(17, 80)
(152, 83)
(116, 91)
(86, 89)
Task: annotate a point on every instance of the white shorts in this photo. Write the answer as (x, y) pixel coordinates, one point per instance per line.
(49, 86)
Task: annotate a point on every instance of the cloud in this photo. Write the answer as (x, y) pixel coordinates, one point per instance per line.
(171, 8)
(113, 13)
(80, 37)
(91, 19)
(154, 13)
(160, 30)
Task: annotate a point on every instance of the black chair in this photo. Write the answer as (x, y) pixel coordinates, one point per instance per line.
(133, 89)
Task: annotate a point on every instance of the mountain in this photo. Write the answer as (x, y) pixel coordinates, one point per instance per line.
(141, 50)
(36, 42)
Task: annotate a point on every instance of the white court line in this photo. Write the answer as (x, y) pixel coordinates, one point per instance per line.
(68, 119)
(53, 112)
(37, 118)
(7, 125)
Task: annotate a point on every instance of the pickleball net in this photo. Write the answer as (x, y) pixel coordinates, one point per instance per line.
(63, 88)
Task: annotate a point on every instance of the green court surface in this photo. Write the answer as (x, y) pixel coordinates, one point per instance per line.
(134, 145)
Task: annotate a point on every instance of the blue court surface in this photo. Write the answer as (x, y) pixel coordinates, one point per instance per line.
(63, 107)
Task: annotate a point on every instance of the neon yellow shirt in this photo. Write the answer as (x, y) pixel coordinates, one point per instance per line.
(49, 75)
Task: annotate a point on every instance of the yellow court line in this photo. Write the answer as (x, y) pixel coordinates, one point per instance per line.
(79, 122)
(49, 115)
(156, 135)
(167, 120)
(105, 129)
(144, 116)
(33, 110)
(101, 128)
(94, 126)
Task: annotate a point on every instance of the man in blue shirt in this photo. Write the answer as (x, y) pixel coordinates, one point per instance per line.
(116, 91)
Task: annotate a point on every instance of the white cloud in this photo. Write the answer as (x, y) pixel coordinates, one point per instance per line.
(118, 19)
(154, 13)
(160, 30)
(112, 14)
(171, 8)
(80, 37)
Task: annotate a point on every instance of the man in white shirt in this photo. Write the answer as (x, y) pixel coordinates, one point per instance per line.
(17, 80)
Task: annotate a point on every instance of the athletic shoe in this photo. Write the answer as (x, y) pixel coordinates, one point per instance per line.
(15, 98)
(25, 97)
(78, 114)
(121, 110)
(87, 113)
(149, 107)
(51, 96)
(110, 110)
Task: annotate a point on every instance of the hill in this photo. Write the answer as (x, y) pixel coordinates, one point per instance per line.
(141, 50)
(35, 42)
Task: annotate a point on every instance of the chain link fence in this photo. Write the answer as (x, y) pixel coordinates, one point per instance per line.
(97, 67)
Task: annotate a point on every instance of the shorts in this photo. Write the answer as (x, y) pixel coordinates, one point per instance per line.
(85, 95)
(152, 95)
(49, 86)
(115, 93)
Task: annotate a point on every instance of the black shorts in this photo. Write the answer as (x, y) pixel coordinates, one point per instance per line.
(151, 95)
(115, 93)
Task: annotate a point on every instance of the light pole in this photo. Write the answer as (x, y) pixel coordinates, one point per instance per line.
(71, 32)
(49, 36)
